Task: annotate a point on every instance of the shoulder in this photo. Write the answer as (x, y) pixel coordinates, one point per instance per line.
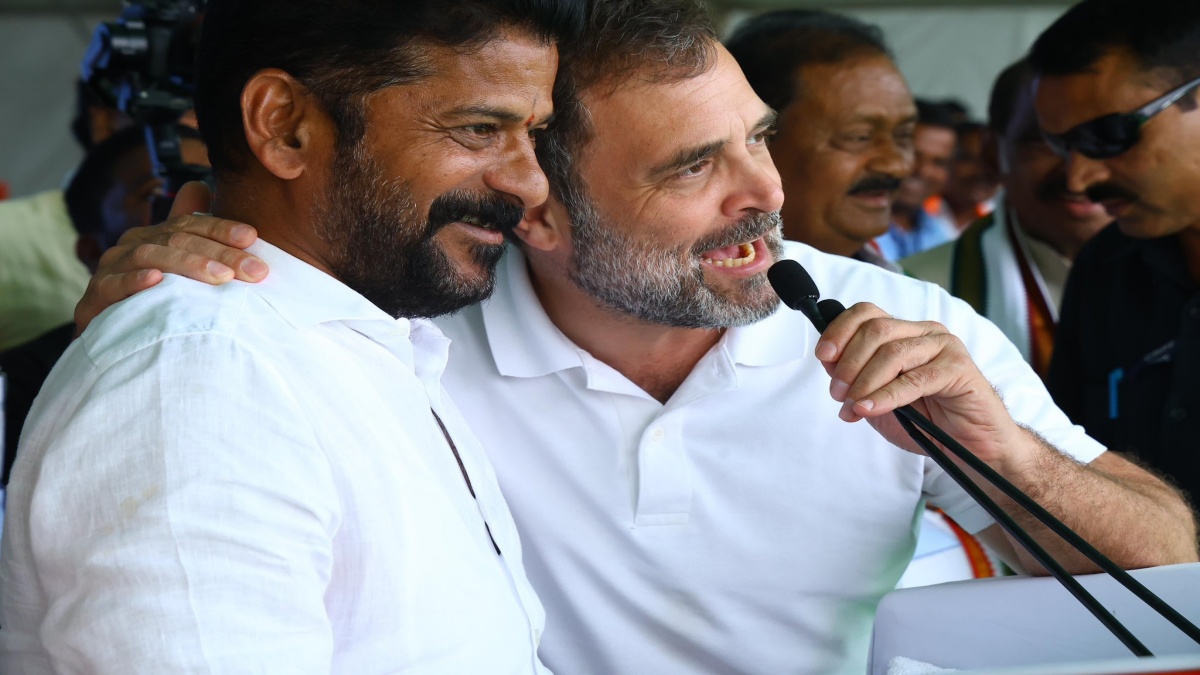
(176, 307)
(931, 265)
(851, 281)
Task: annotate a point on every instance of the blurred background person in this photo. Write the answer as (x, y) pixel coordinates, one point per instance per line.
(1012, 264)
(843, 142)
(41, 279)
(110, 193)
(971, 188)
(919, 222)
(1116, 95)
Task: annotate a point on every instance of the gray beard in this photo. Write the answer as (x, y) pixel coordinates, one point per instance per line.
(667, 287)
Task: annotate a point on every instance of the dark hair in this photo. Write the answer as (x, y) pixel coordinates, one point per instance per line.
(936, 114)
(97, 173)
(771, 48)
(1005, 93)
(81, 123)
(1157, 33)
(343, 51)
(650, 40)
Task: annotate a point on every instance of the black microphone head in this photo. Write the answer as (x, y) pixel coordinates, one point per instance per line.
(792, 284)
(829, 309)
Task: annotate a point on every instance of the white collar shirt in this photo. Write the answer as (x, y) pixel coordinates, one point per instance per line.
(251, 479)
(740, 527)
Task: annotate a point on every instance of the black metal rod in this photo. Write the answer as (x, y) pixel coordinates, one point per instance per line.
(1028, 542)
(1042, 515)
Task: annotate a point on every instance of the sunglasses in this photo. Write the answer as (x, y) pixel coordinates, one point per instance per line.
(1110, 135)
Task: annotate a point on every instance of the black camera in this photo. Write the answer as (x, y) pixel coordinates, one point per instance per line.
(144, 64)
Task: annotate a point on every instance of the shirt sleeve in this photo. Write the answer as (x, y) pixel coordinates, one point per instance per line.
(182, 519)
(1023, 393)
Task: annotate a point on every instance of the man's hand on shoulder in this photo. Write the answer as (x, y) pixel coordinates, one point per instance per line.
(190, 244)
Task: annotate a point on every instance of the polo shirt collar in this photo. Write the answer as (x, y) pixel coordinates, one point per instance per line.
(534, 346)
(523, 340)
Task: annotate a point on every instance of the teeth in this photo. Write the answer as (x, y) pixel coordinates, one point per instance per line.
(748, 255)
(472, 220)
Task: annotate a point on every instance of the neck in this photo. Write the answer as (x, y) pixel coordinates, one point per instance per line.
(656, 358)
(281, 213)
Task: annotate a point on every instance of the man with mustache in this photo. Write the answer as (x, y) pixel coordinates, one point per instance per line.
(845, 128)
(271, 477)
(1116, 97)
(843, 144)
(1012, 264)
(688, 499)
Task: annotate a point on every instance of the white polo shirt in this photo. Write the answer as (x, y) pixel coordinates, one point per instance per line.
(249, 479)
(739, 528)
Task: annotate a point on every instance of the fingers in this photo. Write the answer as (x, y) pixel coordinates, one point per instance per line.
(103, 291)
(878, 363)
(200, 247)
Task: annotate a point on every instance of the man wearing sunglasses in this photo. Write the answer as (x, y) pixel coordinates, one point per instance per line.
(1116, 97)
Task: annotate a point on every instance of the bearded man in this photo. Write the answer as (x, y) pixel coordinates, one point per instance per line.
(270, 478)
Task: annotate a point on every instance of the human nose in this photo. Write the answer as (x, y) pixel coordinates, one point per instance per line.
(519, 174)
(758, 187)
(1083, 172)
(893, 159)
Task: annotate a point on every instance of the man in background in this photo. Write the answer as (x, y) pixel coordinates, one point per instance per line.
(917, 224)
(843, 143)
(1116, 96)
(1012, 264)
(971, 188)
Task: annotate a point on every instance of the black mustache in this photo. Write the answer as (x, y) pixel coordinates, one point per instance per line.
(485, 209)
(876, 183)
(1103, 191)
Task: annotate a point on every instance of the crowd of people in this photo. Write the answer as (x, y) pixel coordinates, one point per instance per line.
(469, 362)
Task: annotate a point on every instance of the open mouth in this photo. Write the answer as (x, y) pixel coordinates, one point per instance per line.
(475, 220)
(730, 256)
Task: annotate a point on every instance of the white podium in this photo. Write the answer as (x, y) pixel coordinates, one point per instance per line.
(1009, 622)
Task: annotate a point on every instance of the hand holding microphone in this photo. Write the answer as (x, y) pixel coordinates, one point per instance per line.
(879, 363)
(882, 365)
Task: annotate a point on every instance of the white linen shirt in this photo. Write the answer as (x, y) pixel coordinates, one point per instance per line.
(739, 528)
(249, 479)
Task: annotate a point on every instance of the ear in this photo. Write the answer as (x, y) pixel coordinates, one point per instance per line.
(990, 154)
(89, 249)
(544, 227)
(284, 127)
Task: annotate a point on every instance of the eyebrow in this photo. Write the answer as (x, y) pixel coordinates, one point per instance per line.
(689, 156)
(499, 114)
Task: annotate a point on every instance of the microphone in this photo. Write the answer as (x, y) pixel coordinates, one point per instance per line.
(798, 291)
